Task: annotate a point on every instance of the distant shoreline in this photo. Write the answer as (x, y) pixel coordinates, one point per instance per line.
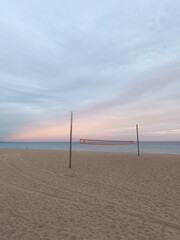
(170, 147)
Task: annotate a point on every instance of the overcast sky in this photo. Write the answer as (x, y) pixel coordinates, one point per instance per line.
(114, 63)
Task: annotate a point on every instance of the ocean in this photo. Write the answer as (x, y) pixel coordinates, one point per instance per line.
(145, 147)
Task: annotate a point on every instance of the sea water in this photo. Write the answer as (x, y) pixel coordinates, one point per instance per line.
(145, 147)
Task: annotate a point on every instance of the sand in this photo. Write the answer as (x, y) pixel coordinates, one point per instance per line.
(103, 196)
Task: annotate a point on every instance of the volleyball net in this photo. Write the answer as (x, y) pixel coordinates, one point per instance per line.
(100, 142)
(104, 142)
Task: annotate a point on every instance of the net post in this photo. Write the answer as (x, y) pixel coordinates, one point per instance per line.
(70, 145)
(137, 133)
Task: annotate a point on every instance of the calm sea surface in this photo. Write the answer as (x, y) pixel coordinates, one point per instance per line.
(146, 147)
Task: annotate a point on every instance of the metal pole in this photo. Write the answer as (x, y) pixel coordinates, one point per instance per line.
(70, 149)
(137, 132)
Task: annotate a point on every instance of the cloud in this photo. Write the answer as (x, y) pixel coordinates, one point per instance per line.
(150, 83)
(92, 57)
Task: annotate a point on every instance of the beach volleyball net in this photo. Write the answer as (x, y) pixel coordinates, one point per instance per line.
(99, 142)
(104, 142)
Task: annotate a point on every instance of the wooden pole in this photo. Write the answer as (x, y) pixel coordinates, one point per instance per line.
(70, 149)
(137, 132)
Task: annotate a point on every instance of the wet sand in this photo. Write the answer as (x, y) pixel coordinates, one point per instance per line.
(103, 196)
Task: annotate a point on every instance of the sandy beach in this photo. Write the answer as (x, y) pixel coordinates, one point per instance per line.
(103, 196)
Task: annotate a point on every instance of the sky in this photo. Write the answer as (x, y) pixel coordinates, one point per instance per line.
(114, 63)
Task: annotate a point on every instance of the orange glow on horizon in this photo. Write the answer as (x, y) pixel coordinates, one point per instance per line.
(45, 133)
(91, 127)
(110, 127)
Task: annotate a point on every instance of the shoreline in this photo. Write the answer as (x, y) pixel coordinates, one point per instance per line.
(145, 147)
(89, 151)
